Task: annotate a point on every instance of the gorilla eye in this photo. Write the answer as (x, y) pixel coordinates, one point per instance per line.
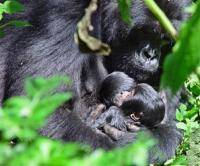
(135, 117)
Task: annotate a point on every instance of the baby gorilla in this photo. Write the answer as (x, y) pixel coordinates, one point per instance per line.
(129, 104)
(144, 106)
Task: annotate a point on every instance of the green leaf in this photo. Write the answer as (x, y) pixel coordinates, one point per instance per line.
(178, 161)
(1, 16)
(179, 116)
(17, 102)
(12, 6)
(182, 126)
(186, 55)
(2, 34)
(1, 11)
(18, 23)
(47, 105)
(124, 8)
(39, 86)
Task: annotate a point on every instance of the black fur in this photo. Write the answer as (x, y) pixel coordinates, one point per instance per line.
(47, 48)
(114, 84)
(140, 101)
(137, 50)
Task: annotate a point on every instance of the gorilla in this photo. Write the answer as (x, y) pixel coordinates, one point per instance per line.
(138, 102)
(47, 48)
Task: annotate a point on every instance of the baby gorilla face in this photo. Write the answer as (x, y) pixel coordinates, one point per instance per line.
(115, 88)
(124, 100)
(122, 97)
(145, 106)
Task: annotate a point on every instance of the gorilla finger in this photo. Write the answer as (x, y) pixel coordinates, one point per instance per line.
(132, 127)
(114, 133)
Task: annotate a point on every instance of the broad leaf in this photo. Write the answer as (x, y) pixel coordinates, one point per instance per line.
(12, 7)
(18, 23)
(185, 56)
(124, 7)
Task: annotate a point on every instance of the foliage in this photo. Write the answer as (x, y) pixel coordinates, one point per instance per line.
(193, 154)
(124, 7)
(185, 59)
(182, 62)
(161, 17)
(21, 117)
(11, 7)
(189, 122)
(20, 143)
(86, 42)
(185, 56)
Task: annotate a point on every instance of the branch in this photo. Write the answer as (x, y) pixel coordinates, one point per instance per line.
(86, 42)
(162, 18)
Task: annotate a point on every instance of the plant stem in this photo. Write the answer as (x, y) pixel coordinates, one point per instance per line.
(162, 18)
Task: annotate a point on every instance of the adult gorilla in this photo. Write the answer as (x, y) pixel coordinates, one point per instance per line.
(47, 48)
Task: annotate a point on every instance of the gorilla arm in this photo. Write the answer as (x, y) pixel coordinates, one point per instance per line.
(67, 126)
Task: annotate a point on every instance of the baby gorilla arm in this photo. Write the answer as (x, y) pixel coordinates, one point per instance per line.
(65, 125)
(112, 116)
(114, 124)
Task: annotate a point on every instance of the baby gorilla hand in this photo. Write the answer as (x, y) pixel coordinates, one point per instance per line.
(131, 125)
(122, 138)
(95, 113)
(114, 124)
(113, 117)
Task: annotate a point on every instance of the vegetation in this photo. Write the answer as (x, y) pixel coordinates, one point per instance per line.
(189, 121)
(21, 117)
(11, 7)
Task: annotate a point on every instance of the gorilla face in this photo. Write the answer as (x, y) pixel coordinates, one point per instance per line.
(138, 55)
(136, 50)
(145, 54)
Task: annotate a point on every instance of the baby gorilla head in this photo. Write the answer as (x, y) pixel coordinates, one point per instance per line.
(115, 88)
(145, 106)
(141, 102)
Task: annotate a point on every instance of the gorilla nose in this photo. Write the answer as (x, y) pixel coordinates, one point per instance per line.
(149, 52)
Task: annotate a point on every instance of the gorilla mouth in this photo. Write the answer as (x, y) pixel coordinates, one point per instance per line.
(140, 73)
